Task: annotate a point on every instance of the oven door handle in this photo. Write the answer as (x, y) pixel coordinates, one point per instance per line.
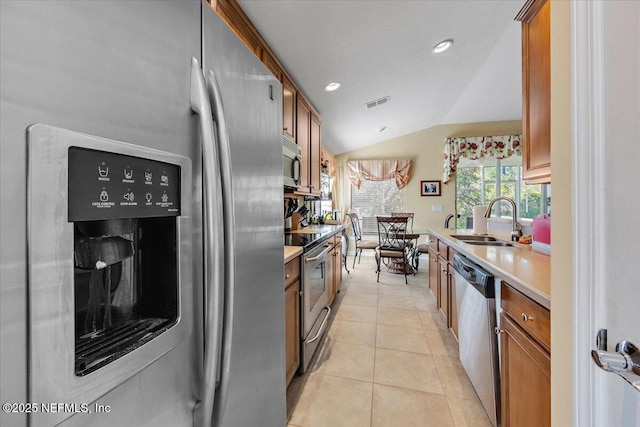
(317, 257)
(321, 328)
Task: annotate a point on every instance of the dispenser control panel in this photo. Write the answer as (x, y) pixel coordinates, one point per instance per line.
(104, 185)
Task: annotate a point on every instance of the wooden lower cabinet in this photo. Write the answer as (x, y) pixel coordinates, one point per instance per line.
(525, 378)
(434, 273)
(292, 318)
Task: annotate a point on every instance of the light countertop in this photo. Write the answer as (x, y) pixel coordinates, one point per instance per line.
(525, 270)
(290, 252)
(326, 230)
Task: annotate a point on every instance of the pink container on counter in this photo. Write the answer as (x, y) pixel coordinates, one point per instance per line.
(542, 230)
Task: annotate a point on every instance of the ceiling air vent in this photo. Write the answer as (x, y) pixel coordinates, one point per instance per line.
(371, 104)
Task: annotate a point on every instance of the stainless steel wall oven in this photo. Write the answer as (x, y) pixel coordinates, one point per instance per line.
(315, 311)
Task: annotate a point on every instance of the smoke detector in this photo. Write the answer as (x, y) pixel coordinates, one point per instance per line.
(375, 103)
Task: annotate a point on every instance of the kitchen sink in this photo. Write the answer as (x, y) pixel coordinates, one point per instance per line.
(482, 240)
(471, 238)
(491, 243)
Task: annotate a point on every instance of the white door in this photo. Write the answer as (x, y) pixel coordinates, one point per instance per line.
(607, 204)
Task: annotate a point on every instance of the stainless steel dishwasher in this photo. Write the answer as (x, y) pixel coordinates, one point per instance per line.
(478, 344)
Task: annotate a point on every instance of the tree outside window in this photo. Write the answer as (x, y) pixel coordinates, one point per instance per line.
(479, 184)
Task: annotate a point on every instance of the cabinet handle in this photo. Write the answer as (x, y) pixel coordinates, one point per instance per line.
(287, 276)
(286, 128)
(526, 318)
(497, 330)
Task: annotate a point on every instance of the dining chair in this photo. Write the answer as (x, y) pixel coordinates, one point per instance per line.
(408, 215)
(413, 242)
(344, 248)
(357, 235)
(420, 249)
(393, 244)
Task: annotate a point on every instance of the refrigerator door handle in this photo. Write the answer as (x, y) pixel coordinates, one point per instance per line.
(217, 107)
(213, 246)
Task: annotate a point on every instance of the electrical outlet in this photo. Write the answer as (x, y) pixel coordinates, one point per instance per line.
(437, 208)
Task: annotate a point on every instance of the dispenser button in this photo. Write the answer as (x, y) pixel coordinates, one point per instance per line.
(103, 172)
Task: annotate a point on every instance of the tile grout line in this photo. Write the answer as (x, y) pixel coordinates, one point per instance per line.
(375, 354)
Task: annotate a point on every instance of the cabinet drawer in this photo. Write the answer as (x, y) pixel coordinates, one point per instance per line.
(443, 250)
(433, 242)
(528, 314)
(291, 272)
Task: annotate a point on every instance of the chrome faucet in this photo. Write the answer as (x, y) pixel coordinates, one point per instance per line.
(516, 230)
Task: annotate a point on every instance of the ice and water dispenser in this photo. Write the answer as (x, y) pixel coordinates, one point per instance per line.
(123, 211)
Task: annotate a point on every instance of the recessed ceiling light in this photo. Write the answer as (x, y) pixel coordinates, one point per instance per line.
(382, 129)
(442, 46)
(332, 86)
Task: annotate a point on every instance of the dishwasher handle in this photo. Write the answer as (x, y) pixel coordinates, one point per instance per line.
(477, 277)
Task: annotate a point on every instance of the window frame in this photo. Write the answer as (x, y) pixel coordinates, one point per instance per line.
(518, 182)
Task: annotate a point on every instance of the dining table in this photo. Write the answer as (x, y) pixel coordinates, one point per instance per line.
(399, 266)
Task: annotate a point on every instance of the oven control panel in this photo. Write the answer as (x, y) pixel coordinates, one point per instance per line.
(104, 185)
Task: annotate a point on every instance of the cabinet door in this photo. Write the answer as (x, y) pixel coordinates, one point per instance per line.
(536, 87)
(443, 286)
(314, 157)
(434, 273)
(292, 329)
(270, 63)
(525, 378)
(303, 120)
(288, 108)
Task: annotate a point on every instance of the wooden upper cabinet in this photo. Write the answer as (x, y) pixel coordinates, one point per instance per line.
(300, 122)
(314, 157)
(231, 13)
(303, 135)
(270, 63)
(288, 108)
(536, 90)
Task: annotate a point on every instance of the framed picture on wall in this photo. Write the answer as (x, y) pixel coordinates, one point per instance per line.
(430, 188)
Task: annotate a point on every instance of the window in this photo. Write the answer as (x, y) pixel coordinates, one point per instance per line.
(377, 198)
(479, 184)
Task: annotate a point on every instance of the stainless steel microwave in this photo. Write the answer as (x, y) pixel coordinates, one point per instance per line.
(291, 154)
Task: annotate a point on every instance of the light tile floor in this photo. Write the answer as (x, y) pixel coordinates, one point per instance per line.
(387, 360)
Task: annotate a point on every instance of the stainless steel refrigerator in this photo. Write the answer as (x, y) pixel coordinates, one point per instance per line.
(141, 251)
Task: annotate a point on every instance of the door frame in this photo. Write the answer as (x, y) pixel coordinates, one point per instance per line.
(589, 209)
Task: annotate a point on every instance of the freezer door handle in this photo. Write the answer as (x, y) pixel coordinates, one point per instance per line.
(213, 246)
(217, 109)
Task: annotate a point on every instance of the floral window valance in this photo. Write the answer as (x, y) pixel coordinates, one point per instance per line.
(477, 147)
(379, 170)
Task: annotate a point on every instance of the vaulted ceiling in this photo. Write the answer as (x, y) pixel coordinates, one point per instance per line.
(383, 48)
